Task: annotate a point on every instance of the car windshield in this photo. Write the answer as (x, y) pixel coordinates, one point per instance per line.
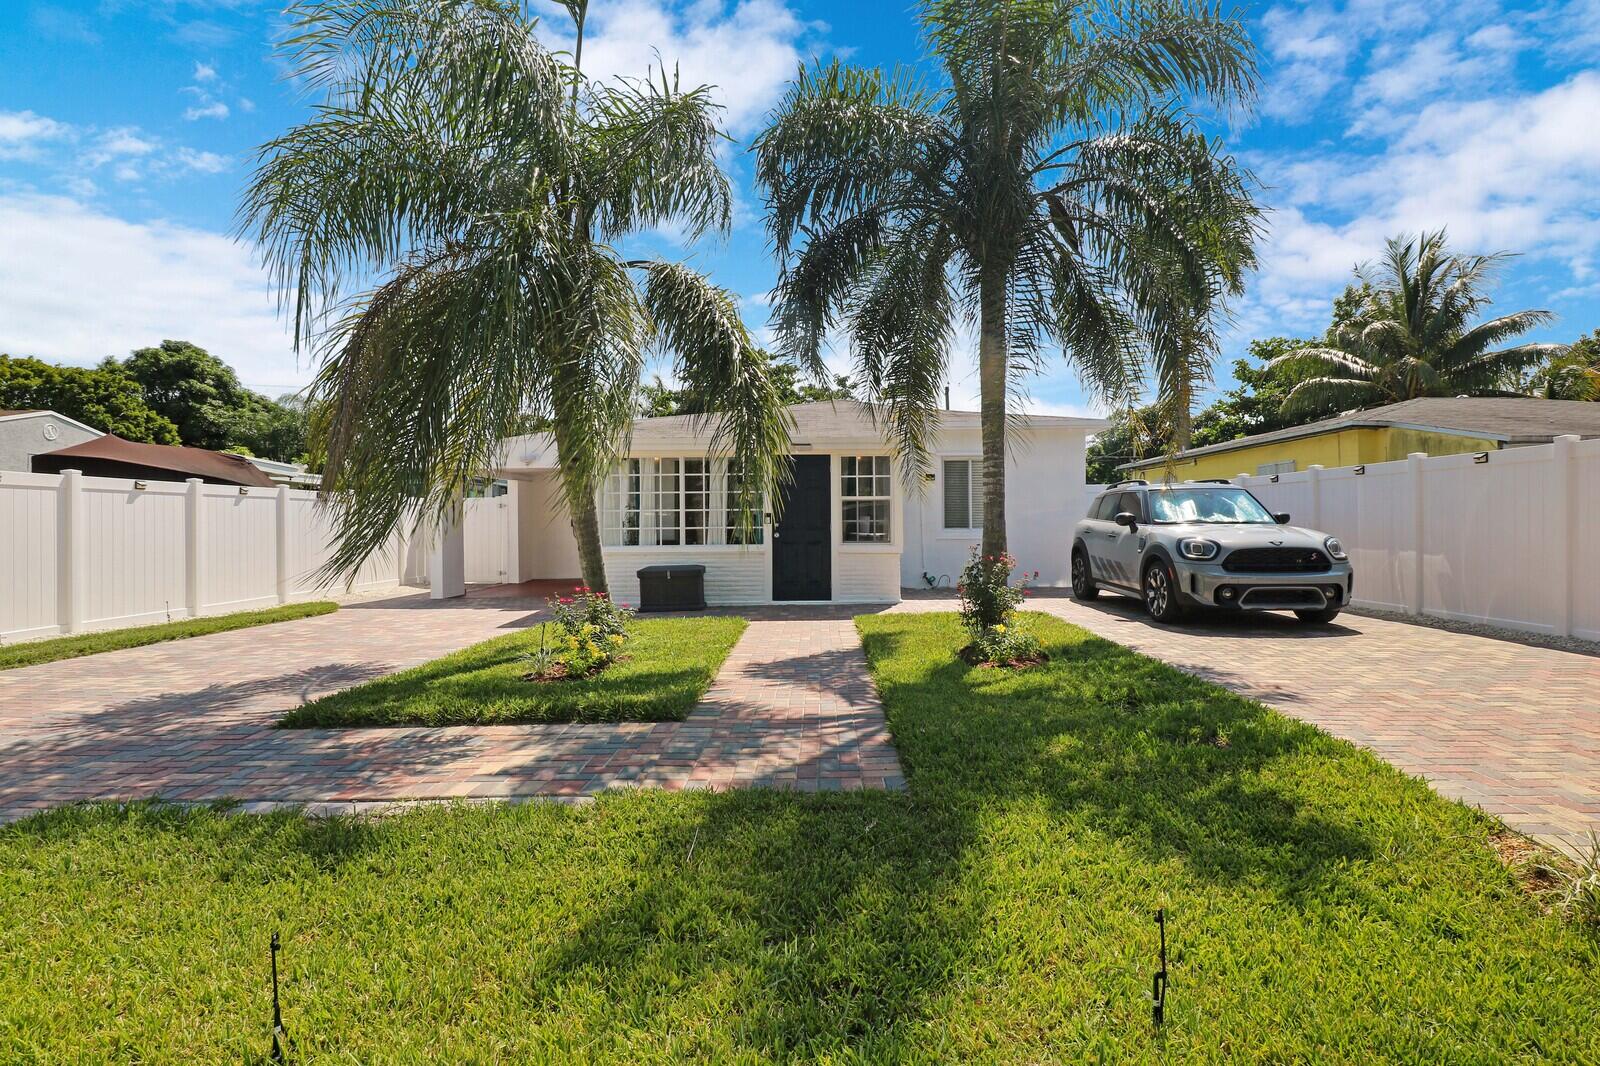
(1220, 504)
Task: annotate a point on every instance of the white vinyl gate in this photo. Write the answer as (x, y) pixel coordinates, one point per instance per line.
(490, 528)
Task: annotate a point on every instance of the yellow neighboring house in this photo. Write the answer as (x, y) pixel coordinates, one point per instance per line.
(1436, 425)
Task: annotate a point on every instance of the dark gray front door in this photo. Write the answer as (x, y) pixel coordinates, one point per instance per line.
(802, 548)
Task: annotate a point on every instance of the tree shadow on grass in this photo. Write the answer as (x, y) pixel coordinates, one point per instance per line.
(1123, 746)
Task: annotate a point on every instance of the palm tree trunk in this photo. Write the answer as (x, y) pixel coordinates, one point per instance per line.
(992, 406)
(585, 522)
(586, 527)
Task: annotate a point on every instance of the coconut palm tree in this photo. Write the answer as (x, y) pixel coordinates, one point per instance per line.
(1412, 333)
(1048, 188)
(444, 227)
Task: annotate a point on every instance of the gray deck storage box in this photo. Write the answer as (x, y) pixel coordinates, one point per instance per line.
(672, 587)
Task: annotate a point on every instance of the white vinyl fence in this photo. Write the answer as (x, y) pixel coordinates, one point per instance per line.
(1509, 537)
(80, 553)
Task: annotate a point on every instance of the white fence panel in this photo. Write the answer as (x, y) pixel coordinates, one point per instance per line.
(238, 547)
(130, 556)
(1583, 590)
(29, 534)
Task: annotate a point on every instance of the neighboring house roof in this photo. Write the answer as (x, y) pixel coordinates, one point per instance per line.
(284, 473)
(1509, 420)
(36, 412)
(190, 462)
(825, 422)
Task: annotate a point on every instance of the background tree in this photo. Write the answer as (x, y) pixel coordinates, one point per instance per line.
(203, 397)
(1255, 404)
(1571, 375)
(1050, 189)
(657, 398)
(104, 397)
(487, 183)
(1413, 333)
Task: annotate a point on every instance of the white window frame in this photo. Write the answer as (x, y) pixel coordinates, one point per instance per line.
(974, 503)
(886, 497)
(646, 504)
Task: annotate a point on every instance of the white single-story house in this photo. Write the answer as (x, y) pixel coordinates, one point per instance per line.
(852, 529)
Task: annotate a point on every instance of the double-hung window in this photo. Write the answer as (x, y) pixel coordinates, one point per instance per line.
(864, 494)
(963, 494)
(675, 502)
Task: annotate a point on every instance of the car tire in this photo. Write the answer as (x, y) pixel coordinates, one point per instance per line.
(1160, 587)
(1083, 587)
(1318, 618)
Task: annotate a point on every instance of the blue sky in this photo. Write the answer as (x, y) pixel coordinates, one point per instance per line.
(127, 129)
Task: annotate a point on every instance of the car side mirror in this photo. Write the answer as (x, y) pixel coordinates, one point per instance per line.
(1281, 517)
(1128, 518)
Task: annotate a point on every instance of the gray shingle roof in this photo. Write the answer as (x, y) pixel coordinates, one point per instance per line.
(1510, 420)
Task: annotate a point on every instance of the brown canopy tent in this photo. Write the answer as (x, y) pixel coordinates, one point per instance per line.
(111, 456)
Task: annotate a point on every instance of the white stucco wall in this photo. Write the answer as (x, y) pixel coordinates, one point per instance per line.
(546, 548)
(1044, 498)
(24, 436)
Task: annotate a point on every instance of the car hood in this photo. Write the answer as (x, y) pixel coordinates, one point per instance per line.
(1251, 535)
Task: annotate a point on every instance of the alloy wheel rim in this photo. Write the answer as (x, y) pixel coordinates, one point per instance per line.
(1080, 573)
(1156, 590)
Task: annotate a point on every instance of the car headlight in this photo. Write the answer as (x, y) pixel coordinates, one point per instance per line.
(1335, 549)
(1197, 548)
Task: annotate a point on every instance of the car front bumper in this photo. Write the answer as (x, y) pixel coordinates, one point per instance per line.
(1209, 585)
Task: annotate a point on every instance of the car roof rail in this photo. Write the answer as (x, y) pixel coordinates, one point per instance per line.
(1210, 481)
(1130, 481)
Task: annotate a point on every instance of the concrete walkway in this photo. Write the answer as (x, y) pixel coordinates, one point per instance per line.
(1509, 728)
(191, 720)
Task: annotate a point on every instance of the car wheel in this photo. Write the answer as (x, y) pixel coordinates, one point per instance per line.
(1318, 618)
(1161, 593)
(1083, 586)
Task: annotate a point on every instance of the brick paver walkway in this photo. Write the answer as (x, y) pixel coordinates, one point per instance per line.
(1506, 727)
(192, 720)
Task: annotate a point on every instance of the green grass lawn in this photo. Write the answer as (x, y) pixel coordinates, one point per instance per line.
(48, 651)
(668, 665)
(1323, 908)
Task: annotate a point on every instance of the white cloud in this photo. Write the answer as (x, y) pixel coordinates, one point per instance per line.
(22, 133)
(204, 72)
(1514, 173)
(78, 285)
(214, 109)
(748, 50)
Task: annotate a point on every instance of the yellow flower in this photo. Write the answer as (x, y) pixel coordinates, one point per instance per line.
(592, 649)
(999, 627)
(586, 628)
(616, 638)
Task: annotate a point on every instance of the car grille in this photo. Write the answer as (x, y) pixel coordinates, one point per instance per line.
(1275, 561)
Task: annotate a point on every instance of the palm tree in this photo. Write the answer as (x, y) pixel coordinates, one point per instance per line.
(1411, 334)
(1050, 189)
(444, 227)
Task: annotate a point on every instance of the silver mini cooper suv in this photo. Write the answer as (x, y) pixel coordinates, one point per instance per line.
(1211, 544)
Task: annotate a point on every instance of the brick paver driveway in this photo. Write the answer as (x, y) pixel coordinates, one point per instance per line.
(1506, 727)
(191, 720)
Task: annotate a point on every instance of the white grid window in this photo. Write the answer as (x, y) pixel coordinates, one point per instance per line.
(963, 494)
(674, 502)
(864, 488)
